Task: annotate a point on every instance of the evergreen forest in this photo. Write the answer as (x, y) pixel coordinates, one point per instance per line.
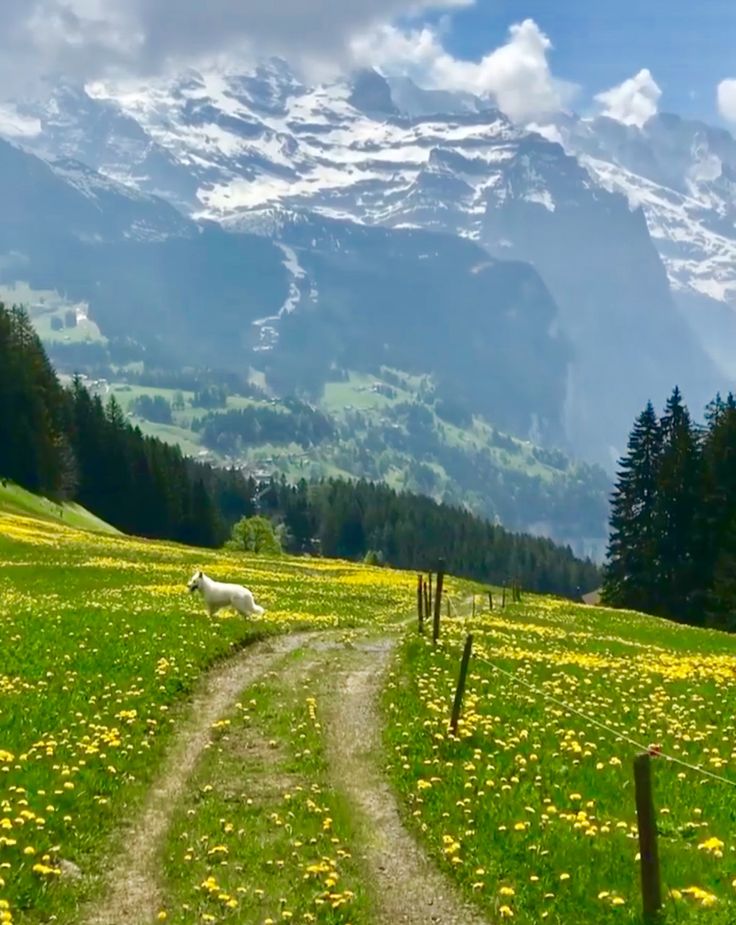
(672, 549)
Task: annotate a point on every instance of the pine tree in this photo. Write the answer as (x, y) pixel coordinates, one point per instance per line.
(717, 513)
(678, 497)
(722, 590)
(631, 574)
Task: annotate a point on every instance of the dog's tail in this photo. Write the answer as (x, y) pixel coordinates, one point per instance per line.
(258, 610)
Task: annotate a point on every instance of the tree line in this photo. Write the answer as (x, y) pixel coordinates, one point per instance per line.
(672, 548)
(68, 444)
(343, 519)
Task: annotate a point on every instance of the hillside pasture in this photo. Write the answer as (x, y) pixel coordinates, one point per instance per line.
(101, 647)
(531, 808)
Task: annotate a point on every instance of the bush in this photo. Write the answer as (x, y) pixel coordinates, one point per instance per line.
(255, 534)
(374, 557)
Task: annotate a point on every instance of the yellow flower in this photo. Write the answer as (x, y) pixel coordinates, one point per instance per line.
(713, 846)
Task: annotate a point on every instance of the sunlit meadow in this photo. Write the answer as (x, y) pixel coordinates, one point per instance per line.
(100, 644)
(531, 808)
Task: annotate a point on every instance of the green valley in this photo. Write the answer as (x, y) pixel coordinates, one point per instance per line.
(391, 427)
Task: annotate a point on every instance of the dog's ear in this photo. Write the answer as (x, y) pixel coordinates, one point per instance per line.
(200, 574)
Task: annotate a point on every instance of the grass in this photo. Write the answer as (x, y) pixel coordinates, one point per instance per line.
(356, 393)
(262, 837)
(531, 808)
(45, 305)
(101, 647)
(14, 499)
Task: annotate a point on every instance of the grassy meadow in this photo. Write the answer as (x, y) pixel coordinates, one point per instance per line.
(531, 808)
(100, 646)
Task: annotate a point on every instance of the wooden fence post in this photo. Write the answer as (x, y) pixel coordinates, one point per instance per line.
(473, 606)
(456, 706)
(490, 600)
(438, 599)
(503, 596)
(420, 602)
(651, 890)
(430, 594)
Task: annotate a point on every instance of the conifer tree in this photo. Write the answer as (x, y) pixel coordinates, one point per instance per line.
(630, 577)
(716, 533)
(721, 597)
(679, 488)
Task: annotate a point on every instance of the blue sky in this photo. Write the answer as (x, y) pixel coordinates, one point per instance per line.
(688, 46)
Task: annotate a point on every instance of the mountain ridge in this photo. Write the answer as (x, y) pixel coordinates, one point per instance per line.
(246, 146)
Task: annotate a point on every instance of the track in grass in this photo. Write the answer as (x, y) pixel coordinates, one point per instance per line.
(133, 891)
(404, 886)
(408, 889)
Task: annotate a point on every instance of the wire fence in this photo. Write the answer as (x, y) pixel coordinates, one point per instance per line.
(654, 751)
(651, 880)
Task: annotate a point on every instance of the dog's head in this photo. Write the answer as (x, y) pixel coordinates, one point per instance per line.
(195, 582)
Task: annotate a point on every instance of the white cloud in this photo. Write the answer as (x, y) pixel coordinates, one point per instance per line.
(550, 132)
(517, 74)
(86, 39)
(15, 125)
(727, 99)
(632, 102)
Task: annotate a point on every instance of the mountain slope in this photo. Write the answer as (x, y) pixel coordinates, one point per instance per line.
(387, 153)
(16, 500)
(682, 174)
(315, 295)
(66, 198)
(600, 263)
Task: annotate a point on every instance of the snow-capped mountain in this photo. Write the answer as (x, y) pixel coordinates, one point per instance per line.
(598, 209)
(682, 174)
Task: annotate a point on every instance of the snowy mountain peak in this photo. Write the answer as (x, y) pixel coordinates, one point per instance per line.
(616, 218)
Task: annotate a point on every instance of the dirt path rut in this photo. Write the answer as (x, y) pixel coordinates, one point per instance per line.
(409, 890)
(131, 894)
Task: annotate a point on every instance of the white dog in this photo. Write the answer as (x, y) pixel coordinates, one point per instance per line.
(218, 594)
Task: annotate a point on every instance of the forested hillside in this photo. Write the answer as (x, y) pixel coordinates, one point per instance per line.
(65, 443)
(673, 542)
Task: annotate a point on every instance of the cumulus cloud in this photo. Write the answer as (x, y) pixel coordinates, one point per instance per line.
(517, 74)
(727, 99)
(632, 102)
(85, 39)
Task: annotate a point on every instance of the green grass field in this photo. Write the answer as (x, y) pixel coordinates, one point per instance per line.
(531, 808)
(16, 500)
(46, 305)
(101, 646)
